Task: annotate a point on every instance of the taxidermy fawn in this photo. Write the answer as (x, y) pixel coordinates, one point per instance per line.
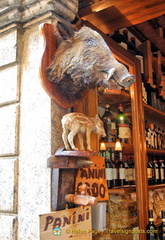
(78, 123)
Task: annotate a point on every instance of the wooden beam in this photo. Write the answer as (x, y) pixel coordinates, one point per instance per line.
(152, 35)
(113, 15)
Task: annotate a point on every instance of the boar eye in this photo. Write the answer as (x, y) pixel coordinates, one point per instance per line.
(92, 42)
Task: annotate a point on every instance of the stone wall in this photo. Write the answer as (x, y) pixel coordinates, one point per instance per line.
(30, 129)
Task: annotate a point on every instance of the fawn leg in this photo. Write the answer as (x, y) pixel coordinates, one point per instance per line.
(80, 138)
(88, 136)
(65, 138)
(70, 139)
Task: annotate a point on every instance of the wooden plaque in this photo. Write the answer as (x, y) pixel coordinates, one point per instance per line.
(67, 224)
(94, 178)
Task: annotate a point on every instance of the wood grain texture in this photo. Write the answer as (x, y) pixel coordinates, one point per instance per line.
(113, 15)
(63, 182)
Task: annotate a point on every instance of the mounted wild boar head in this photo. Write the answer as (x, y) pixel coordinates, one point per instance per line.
(83, 61)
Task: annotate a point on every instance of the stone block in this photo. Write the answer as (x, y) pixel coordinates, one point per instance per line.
(8, 183)
(9, 85)
(8, 227)
(9, 130)
(8, 47)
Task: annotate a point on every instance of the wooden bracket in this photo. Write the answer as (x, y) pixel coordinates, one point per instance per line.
(71, 159)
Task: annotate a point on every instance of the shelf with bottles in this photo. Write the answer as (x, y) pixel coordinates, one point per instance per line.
(121, 191)
(155, 151)
(126, 148)
(153, 84)
(113, 97)
(119, 171)
(117, 125)
(157, 186)
(156, 172)
(157, 116)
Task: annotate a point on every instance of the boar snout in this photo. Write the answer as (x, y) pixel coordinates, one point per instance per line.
(128, 81)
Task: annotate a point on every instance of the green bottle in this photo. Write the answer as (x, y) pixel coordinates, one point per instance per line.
(123, 125)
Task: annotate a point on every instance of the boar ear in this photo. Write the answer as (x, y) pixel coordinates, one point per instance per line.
(65, 30)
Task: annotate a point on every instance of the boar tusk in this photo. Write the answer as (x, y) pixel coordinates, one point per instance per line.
(110, 73)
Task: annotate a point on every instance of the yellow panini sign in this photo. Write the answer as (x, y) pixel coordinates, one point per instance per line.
(94, 178)
(67, 224)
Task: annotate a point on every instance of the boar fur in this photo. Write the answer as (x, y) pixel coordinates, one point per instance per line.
(83, 61)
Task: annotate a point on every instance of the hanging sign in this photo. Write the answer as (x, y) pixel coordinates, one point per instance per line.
(67, 224)
(94, 178)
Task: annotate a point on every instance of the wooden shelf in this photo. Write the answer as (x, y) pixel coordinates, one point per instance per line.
(154, 115)
(122, 190)
(126, 148)
(158, 186)
(155, 151)
(114, 97)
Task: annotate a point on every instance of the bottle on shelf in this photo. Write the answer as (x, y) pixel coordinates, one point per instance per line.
(119, 38)
(109, 124)
(151, 229)
(156, 170)
(155, 137)
(123, 125)
(154, 91)
(138, 51)
(120, 168)
(130, 46)
(150, 173)
(109, 169)
(161, 170)
(131, 171)
(126, 170)
(159, 134)
(147, 134)
(152, 135)
(162, 227)
(114, 167)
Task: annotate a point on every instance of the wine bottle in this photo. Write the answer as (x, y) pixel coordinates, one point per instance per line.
(151, 129)
(130, 46)
(114, 168)
(131, 171)
(156, 170)
(154, 91)
(109, 124)
(109, 167)
(151, 229)
(123, 125)
(119, 38)
(149, 173)
(155, 137)
(162, 227)
(162, 170)
(159, 134)
(120, 167)
(147, 135)
(126, 170)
